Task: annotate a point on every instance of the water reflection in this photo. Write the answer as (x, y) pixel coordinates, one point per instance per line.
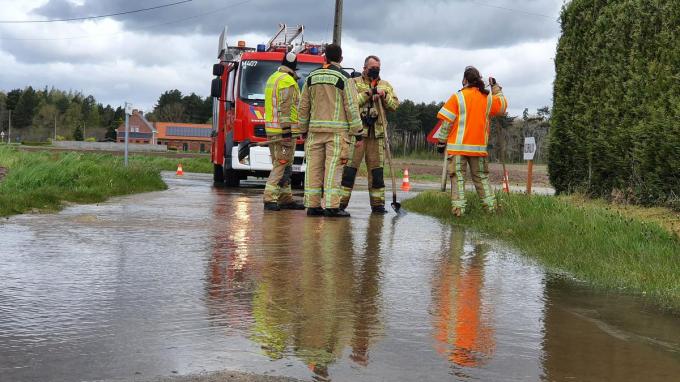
(463, 332)
(366, 302)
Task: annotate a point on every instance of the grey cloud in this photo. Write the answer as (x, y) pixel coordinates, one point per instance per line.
(464, 23)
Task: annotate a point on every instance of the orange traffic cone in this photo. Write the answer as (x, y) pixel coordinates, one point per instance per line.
(180, 172)
(506, 182)
(405, 183)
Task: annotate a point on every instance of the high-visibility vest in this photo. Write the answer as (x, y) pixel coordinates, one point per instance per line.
(274, 116)
(468, 112)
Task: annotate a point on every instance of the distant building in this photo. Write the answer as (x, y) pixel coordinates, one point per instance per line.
(180, 136)
(184, 136)
(141, 130)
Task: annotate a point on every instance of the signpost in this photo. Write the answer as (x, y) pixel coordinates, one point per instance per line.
(529, 152)
(128, 111)
(2, 136)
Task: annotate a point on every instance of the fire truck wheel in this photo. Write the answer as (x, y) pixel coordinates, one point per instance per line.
(231, 178)
(218, 174)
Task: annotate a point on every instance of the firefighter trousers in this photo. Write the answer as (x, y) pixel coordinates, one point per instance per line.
(373, 152)
(479, 171)
(324, 153)
(278, 188)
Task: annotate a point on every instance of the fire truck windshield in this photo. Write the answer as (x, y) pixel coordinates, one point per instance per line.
(254, 75)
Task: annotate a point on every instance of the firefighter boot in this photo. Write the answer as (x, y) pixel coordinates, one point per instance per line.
(292, 206)
(271, 206)
(336, 213)
(315, 211)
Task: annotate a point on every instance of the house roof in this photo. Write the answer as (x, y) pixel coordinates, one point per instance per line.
(183, 131)
(136, 116)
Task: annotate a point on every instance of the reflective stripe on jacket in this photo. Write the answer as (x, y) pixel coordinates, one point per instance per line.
(328, 103)
(391, 102)
(281, 96)
(465, 120)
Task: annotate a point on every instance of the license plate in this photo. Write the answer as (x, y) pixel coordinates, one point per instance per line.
(297, 167)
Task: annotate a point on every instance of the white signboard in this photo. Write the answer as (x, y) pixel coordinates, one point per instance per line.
(529, 148)
(128, 109)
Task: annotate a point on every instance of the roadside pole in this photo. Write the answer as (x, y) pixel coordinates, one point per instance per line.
(529, 152)
(55, 126)
(9, 129)
(337, 23)
(127, 125)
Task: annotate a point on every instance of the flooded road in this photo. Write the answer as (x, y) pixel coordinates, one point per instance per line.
(196, 279)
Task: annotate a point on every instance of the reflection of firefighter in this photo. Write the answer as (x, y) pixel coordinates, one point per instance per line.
(366, 304)
(303, 299)
(462, 332)
(274, 299)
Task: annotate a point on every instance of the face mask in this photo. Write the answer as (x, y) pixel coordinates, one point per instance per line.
(373, 73)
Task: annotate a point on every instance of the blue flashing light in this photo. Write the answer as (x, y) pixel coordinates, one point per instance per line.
(314, 50)
(261, 47)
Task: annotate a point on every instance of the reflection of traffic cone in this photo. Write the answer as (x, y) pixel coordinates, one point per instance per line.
(405, 183)
(180, 172)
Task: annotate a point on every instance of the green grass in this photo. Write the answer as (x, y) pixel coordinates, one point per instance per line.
(590, 241)
(198, 164)
(45, 180)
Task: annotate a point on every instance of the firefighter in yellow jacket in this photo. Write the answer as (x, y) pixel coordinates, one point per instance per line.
(376, 97)
(329, 115)
(464, 135)
(280, 112)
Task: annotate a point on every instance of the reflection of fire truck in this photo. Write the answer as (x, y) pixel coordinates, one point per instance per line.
(238, 102)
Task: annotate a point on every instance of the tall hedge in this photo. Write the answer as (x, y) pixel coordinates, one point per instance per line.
(616, 115)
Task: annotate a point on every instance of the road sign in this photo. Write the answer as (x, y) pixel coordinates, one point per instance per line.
(2, 136)
(434, 135)
(529, 148)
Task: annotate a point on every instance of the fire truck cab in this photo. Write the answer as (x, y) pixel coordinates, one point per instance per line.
(238, 103)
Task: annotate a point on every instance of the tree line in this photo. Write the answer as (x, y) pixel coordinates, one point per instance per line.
(615, 130)
(77, 116)
(39, 115)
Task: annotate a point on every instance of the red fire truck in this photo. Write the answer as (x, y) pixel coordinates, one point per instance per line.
(238, 102)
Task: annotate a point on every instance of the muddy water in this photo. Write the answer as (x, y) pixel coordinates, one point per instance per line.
(197, 279)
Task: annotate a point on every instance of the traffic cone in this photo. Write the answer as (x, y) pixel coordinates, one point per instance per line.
(506, 182)
(405, 183)
(180, 172)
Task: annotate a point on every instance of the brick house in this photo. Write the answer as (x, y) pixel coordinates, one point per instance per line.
(184, 136)
(141, 130)
(180, 136)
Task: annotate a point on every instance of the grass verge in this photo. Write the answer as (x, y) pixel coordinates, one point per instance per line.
(45, 180)
(602, 246)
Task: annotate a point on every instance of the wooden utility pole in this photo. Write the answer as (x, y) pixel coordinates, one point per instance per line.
(337, 24)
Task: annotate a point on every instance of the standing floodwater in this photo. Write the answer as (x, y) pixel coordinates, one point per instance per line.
(199, 279)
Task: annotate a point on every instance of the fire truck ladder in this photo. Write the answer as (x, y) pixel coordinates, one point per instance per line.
(286, 37)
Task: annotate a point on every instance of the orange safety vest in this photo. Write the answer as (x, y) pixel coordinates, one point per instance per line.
(468, 112)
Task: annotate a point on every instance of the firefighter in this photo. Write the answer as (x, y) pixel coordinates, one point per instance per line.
(280, 112)
(329, 115)
(376, 96)
(465, 124)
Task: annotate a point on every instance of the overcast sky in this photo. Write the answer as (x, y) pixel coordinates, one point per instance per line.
(424, 45)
